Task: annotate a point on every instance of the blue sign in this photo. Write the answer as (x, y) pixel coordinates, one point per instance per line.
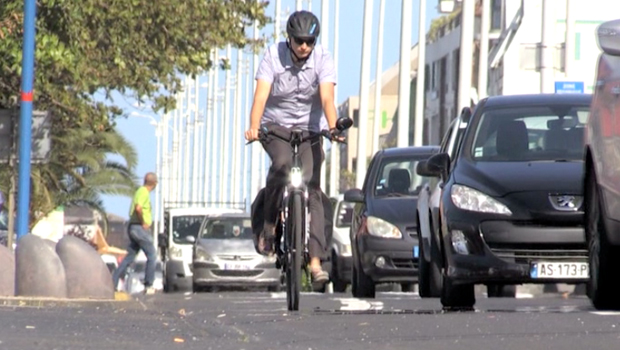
(569, 87)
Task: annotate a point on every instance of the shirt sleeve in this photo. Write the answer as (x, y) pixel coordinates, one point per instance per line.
(327, 70)
(265, 68)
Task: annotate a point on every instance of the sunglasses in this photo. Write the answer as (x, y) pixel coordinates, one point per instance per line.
(308, 41)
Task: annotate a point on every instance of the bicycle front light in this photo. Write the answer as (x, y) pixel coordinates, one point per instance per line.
(296, 177)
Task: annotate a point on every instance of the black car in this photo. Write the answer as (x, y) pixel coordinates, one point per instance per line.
(384, 242)
(602, 173)
(510, 207)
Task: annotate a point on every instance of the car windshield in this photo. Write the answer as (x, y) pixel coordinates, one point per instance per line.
(227, 228)
(184, 226)
(345, 214)
(535, 133)
(398, 178)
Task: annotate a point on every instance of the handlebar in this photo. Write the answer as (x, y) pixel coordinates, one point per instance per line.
(264, 132)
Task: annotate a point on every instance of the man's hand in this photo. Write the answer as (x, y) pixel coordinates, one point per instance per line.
(336, 135)
(251, 134)
(146, 226)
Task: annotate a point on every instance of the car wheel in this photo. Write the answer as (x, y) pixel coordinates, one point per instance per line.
(457, 296)
(495, 290)
(429, 272)
(339, 285)
(603, 257)
(362, 285)
(423, 267)
(407, 287)
(274, 288)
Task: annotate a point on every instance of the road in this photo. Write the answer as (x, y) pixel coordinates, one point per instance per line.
(259, 320)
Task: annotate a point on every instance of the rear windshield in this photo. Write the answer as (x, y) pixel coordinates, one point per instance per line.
(535, 133)
(227, 228)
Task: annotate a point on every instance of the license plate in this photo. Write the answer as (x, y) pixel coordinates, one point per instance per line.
(559, 270)
(236, 267)
(416, 251)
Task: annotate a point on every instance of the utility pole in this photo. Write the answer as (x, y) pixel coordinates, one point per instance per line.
(238, 133)
(255, 178)
(334, 159)
(569, 46)
(325, 43)
(404, 79)
(483, 57)
(196, 142)
(547, 47)
(418, 129)
(299, 6)
(224, 173)
(209, 133)
(362, 124)
(466, 54)
(378, 72)
(216, 134)
(188, 133)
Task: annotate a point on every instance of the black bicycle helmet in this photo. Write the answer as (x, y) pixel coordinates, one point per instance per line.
(303, 24)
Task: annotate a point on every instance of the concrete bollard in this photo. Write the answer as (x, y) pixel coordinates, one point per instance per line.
(7, 272)
(86, 274)
(38, 269)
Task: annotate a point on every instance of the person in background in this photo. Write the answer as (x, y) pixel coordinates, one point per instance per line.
(140, 237)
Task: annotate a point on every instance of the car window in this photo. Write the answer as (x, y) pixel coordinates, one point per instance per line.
(227, 228)
(397, 178)
(533, 133)
(184, 226)
(344, 214)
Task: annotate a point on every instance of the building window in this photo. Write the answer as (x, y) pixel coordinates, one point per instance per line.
(577, 46)
(497, 15)
(356, 117)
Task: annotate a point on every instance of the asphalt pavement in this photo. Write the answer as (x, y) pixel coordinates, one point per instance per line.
(259, 320)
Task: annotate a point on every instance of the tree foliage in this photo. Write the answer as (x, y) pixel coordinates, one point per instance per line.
(87, 49)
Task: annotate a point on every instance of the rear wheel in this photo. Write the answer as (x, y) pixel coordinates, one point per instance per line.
(429, 272)
(362, 286)
(603, 258)
(339, 284)
(457, 296)
(293, 269)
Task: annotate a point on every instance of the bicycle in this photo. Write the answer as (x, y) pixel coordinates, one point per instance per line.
(292, 254)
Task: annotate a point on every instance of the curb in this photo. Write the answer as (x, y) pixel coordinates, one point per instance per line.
(121, 299)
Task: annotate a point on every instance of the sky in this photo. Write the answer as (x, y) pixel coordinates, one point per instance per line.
(138, 127)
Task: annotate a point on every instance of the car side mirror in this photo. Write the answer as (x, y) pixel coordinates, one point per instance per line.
(344, 123)
(354, 195)
(608, 37)
(438, 165)
(465, 114)
(422, 169)
(190, 239)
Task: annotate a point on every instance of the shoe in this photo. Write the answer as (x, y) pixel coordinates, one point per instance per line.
(319, 276)
(149, 291)
(266, 241)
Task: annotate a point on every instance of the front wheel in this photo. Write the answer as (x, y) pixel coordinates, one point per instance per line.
(295, 229)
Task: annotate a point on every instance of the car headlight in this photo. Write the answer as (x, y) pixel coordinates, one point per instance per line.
(381, 228)
(345, 249)
(296, 177)
(176, 252)
(202, 255)
(467, 198)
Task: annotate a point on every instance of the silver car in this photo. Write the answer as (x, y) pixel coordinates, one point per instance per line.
(224, 256)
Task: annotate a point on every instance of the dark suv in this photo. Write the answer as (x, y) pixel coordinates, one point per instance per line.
(602, 175)
(510, 207)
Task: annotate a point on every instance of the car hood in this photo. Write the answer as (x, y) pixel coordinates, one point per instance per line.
(498, 179)
(400, 211)
(219, 246)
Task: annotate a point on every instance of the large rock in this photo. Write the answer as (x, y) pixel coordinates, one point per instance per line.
(38, 269)
(7, 272)
(86, 273)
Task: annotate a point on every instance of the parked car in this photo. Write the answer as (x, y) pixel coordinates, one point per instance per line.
(383, 228)
(510, 208)
(224, 256)
(429, 269)
(602, 173)
(341, 258)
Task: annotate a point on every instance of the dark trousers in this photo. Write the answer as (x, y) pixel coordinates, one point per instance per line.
(311, 156)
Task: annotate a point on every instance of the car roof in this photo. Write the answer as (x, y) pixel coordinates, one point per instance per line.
(201, 211)
(243, 215)
(410, 151)
(537, 99)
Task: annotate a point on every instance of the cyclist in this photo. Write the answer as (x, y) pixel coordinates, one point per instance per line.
(294, 86)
